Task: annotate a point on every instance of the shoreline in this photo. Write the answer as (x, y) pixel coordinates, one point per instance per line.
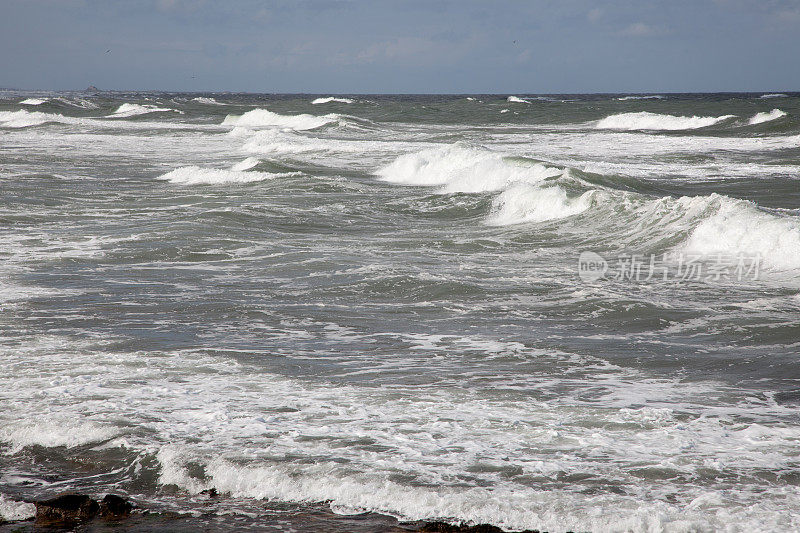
(68, 511)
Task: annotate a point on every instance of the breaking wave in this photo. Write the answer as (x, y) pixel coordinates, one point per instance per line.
(33, 101)
(759, 118)
(644, 120)
(206, 100)
(529, 203)
(517, 100)
(262, 118)
(130, 110)
(194, 175)
(330, 99)
(464, 168)
(24, 119)
(774, 95)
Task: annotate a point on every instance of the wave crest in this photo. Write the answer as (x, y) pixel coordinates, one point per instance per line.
(262, 118)
(760, 118)
(644, 120)
(194, 175)
(464, 168)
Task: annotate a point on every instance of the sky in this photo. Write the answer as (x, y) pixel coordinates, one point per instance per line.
(402, 46)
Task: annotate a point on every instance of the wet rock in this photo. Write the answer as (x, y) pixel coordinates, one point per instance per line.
(114, 507)
(211, 493)
(444, 527)
(66, 510)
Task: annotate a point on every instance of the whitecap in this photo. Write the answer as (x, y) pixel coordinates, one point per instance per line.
(130, 110)
(262, 118)
(759, 118)
(33, 101)
(645, 120)
(330, 99)
(194, 175)
(529, 203)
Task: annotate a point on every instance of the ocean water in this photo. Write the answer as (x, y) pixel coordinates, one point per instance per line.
(562, 312)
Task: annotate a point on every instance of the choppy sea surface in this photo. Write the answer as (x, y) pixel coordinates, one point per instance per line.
(375, 303)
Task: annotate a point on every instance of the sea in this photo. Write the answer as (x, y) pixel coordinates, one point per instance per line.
(553, 312)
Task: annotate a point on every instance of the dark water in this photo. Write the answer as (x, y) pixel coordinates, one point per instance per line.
(378, 304)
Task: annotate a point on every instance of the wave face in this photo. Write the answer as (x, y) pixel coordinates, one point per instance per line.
(522, 203)
(644, 120)
(463, 168)
(194, 175)
(760, 118)
(330, 99)
(262, 118)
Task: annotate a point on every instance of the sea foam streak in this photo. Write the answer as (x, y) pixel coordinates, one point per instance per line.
(330, 99)
(463, 168)
(647, 97)
(194, 175)
(759, 118)
(774, 95)
(262, 118)
(644, 120)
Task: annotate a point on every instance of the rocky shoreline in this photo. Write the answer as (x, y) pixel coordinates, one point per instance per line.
(81, 512)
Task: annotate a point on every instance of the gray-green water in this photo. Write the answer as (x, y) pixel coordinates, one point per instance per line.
(377, 303)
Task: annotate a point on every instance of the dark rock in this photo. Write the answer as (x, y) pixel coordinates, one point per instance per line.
(211, 493)
(444, 527)
(114, 507)
(66, 510)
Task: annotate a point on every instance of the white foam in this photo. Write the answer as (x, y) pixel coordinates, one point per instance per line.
(330, 99)
(131, 110)
(774, 95)
(517, 100)
(24, 119)
(206, 100)
(33, 101)
(194, 175)
(247, 164)
(759, 118)
(504, 110)
(463, 168)
(529, 203)
(262, 118)
(644, 120)
(646, 97)
(12, 510)
(738, 227)
(51, 433)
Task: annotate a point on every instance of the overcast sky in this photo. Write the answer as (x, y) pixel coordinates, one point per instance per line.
(402, 46)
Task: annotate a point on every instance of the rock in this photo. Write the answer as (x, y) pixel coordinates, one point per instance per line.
(66, 510)
(114, 507)
(92, 89)
(211, 493)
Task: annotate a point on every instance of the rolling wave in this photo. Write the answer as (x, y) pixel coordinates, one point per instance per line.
(760, 118)
(262, 118)
(644, 120)
(131, 110)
